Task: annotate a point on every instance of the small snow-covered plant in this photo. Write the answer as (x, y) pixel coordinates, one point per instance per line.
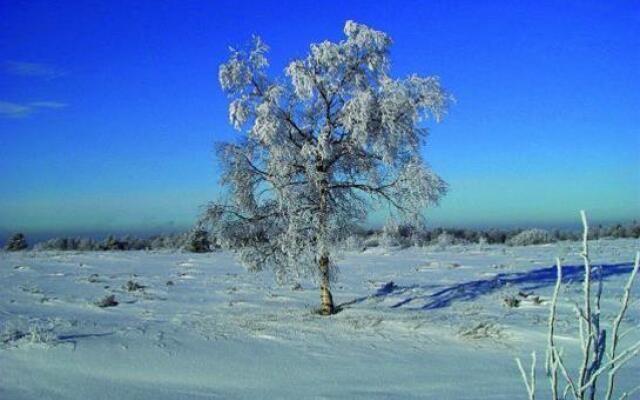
(512, 302)
(371, 242)
(390, 235)
(41, 334)
(531, 237)
(107, 301)
(132, 286)
(354, 242)
(38, 333)
(17, 242)
(601, 355)
(445, 240)
(10, 333)
(321, 147)
(110, 243)
(87, 244)
(401, 234)
(198, 241)
(172, 241)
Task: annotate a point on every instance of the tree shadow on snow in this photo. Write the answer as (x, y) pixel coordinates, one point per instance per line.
(466, 291)
(73, 338)
(385, 290)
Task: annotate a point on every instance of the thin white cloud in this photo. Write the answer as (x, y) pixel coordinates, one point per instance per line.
(30, 69)
(56, 105)
(9, 109)
(14, 110)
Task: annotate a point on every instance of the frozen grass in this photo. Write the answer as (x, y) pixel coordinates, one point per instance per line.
(35, 333)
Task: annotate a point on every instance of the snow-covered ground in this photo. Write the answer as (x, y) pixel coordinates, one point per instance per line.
(202, 327)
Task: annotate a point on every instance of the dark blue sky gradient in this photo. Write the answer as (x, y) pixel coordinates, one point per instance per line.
(111, 126)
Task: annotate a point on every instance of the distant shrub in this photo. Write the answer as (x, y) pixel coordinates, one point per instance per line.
(354, 242)
(40, 334)
(511, 302)
(132, 286)
(389, 242)
(10, 334)
(111, 243)
(531, 237)
(390, 236)
(371, 243)
(17, 242)
(404, 235)
(132, 243)
(198, 241)
(107, 301)
(36, 333)
(86, 244)
(496, 236)
(445, 239)
(172, 241)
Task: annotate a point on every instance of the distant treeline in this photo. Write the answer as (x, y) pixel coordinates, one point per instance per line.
(199, 240)
(409, 235)
(111, 242)
(195, 241)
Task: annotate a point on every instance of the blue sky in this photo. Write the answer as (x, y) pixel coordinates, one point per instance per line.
(109, 110)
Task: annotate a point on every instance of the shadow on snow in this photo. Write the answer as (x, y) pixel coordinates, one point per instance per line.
(466, 291)
(73, 338)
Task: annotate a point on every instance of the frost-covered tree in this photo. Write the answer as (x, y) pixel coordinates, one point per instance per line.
(320, 147)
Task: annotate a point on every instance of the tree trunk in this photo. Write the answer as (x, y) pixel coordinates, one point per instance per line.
(325, 291)
(323, 251)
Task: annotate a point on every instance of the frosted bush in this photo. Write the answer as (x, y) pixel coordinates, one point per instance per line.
(86, 244)
(403, 235)
(445, 240)
(371, 243)
(37, 333)
(389, 240)
(354, 242)
(40, 334)
(198, 241)
(531, 237)
(17, 242)
(111, 243)
(107, 301)
(169, 241)
(10, 334)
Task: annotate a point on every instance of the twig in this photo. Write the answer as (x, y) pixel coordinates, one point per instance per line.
(617, 321)
(531, 382)
(552, 362)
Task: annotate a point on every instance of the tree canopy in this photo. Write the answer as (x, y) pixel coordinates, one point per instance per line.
(320, 147)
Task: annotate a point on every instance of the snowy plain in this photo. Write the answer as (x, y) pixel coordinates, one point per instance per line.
(416, 323)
